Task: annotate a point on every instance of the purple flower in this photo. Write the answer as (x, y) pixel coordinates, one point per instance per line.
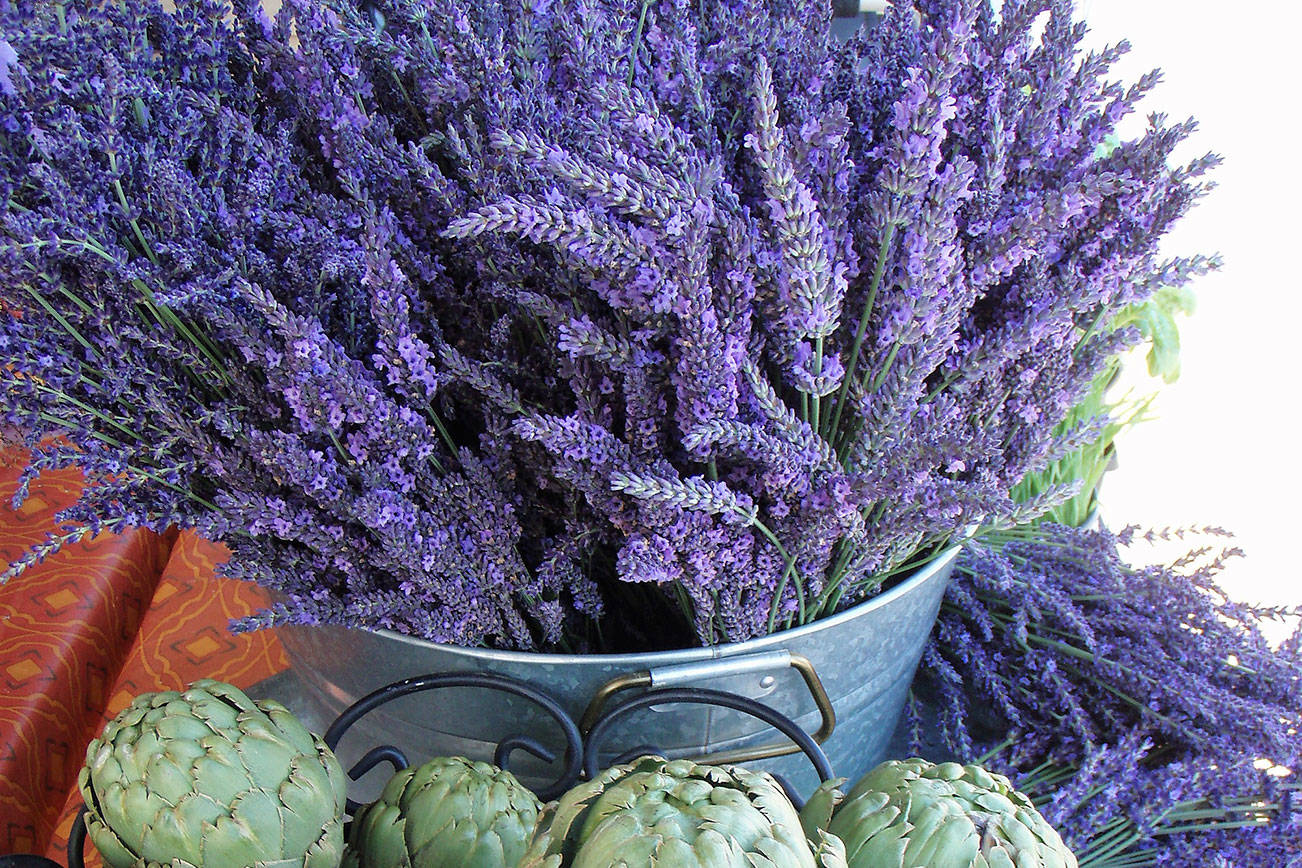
(520, 324)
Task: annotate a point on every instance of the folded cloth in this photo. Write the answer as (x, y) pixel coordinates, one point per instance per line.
(66, 628)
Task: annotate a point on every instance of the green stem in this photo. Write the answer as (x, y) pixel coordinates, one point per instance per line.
(161, 312)
(135, 227)
(75, 299)
(834, 589)
(637, 41)
(68, 424)
(1201, 827)
(888, 236)
(442, 429)
(1090, 332)
(995, 751)
(339, 447)
(98, 414)
(816, 413)
(1112, 842)
(1143, 708)
(924, 552)
(62, 321)
(85, 244)
(835, 576)
(786, 575)
(945, 384)
(126, 211)
(886, 367)
(165, 315)
(187, 492)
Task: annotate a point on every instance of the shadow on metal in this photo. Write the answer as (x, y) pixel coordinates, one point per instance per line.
(501, 757)
(703, 696)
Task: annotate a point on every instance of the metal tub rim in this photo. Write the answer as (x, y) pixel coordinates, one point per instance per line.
(864, 703)
(650, 659)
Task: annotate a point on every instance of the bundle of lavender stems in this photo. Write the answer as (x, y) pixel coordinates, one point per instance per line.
(1143, 707)
(497, 323)
(601, 325)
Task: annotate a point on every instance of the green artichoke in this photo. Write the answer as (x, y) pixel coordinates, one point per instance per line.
(913, 814)
(677, 814)
(209, 777)
(448, 813)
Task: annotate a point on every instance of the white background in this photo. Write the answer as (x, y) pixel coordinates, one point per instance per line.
(1224, 449)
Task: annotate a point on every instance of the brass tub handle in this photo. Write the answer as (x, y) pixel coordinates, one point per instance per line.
(687, 673)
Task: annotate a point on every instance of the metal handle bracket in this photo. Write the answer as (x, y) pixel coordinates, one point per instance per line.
(690, 673)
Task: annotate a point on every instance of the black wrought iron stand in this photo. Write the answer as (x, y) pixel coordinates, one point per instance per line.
(580, 759)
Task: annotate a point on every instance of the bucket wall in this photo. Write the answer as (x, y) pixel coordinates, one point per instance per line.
(865, 658)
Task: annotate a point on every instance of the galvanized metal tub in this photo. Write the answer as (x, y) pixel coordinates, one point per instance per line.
(864, 657)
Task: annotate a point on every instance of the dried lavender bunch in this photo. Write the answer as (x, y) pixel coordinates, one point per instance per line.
(203, 321)
(489, 321)
(1135, 804)
(850, 288)
(1138, 699)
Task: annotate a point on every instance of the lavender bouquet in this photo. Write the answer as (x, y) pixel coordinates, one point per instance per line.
(537, 324)
(1143, 707)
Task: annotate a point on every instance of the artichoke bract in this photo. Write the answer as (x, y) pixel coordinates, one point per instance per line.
(915, 814)
(209, 778)
(448, 813)
(677, 814)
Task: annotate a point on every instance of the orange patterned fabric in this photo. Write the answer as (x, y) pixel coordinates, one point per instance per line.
(89, 629)
(184, 637)
(66, 627)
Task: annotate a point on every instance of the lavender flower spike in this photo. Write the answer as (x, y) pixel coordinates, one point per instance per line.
(696, 494)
